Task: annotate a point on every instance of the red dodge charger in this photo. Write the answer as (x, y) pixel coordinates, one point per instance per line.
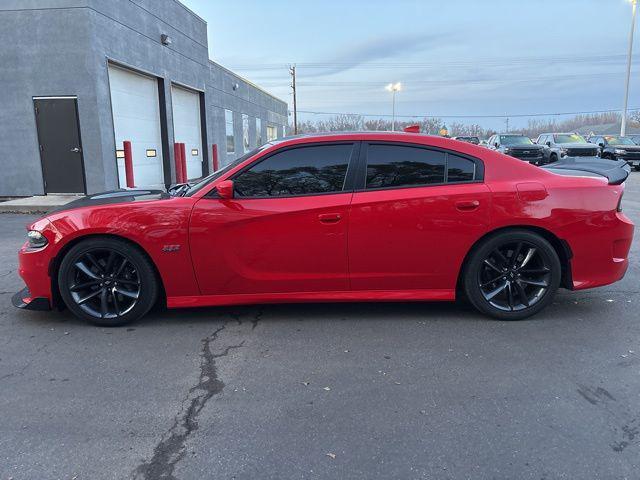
(331, 218)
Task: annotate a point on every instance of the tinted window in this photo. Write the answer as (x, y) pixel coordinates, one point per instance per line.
(460, 169)
(298, 171)
(400, 166)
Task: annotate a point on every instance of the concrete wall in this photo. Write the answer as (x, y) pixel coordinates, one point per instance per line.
(247, 99)
(63, 47)
(40, 56)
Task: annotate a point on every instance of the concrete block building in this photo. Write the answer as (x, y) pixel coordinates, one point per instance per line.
(78, 78)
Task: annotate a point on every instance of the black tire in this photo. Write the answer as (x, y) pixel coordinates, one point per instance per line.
(637, 168)
(107, 281)
(528, 284)
(553, 158)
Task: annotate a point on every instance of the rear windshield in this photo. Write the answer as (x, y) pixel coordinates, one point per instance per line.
(569, 138)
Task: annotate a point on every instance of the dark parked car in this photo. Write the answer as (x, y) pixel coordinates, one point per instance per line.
(566, 145)
(518, 146)
(468, 139)
(615, 147)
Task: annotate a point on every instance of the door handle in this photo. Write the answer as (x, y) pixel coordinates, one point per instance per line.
(75, 150)
(467, 205)
(329, 217)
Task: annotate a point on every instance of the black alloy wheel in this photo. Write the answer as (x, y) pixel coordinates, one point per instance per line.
(104, 283)
(107, 281)
(512, 275)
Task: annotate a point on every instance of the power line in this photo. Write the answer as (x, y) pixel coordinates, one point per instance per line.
(519, 115)
(495, 62)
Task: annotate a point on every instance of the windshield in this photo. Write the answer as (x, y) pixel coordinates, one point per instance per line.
(515, 140)
(569, 138)
(617, 140)
(207, 180)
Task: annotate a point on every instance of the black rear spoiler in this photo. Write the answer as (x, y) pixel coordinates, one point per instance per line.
(615, 171)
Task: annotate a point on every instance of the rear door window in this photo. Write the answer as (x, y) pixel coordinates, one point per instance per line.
(393, 166)
(398, 166)
(460, 169)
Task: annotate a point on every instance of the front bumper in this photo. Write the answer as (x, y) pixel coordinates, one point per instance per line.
(23, 299)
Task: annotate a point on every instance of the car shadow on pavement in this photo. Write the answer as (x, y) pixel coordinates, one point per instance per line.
(458, 311)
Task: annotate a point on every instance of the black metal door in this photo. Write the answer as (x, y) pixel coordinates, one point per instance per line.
(60, 146)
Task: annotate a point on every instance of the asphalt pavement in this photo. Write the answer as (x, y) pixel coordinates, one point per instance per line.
(324, 391)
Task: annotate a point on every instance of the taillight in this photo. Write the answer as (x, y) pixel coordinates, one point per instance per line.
(619, 209)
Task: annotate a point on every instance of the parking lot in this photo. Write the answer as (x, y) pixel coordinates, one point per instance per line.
(411, 391)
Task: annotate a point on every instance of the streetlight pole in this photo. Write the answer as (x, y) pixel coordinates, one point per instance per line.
(623, 126)
(393, 88)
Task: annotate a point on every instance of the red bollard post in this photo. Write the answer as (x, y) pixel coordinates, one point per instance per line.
(128, 164)
(183, 158)
(214, 157)
(176, 158)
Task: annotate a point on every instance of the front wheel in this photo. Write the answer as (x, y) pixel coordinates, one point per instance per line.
(107, 281)
(512, 275)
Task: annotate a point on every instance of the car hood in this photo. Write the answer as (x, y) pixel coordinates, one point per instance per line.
(586, 146)
(631, 148)
(524, 147)
(114, 196)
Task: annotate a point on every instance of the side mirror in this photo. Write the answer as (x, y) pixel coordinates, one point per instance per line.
(225, 189)
(548, 144)
(601, 145)
(496, 145)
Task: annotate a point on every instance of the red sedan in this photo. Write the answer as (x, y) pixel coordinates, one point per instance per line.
(342, 217)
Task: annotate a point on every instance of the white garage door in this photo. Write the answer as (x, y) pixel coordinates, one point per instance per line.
(136, 117)
(186, 127)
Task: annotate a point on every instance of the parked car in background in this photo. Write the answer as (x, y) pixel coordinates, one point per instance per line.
(566, 145)
(518, 146)
(468, 139)
(615, 147)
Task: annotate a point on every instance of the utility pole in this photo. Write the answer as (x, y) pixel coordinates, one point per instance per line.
(393, 88)
(292, 71)
(507, 122)
(623, 126)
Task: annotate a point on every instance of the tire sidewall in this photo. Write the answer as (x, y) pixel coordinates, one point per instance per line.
(472, 288)
(148, 282)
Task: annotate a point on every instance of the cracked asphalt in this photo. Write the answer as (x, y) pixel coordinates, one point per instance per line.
(335, 391)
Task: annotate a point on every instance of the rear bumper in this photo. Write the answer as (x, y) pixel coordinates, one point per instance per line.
(600, 257)
(23, 299)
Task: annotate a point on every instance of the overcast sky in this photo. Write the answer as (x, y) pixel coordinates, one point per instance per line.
(454, 57)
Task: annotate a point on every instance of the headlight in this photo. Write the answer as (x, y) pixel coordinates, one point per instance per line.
(507, 150)
(564, 151)
(36, 239)
(619, 151)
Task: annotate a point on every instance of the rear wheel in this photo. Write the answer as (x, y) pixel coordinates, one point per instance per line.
(512, 275)
(107, 281)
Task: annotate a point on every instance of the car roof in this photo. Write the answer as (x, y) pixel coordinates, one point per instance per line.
(359, 134)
